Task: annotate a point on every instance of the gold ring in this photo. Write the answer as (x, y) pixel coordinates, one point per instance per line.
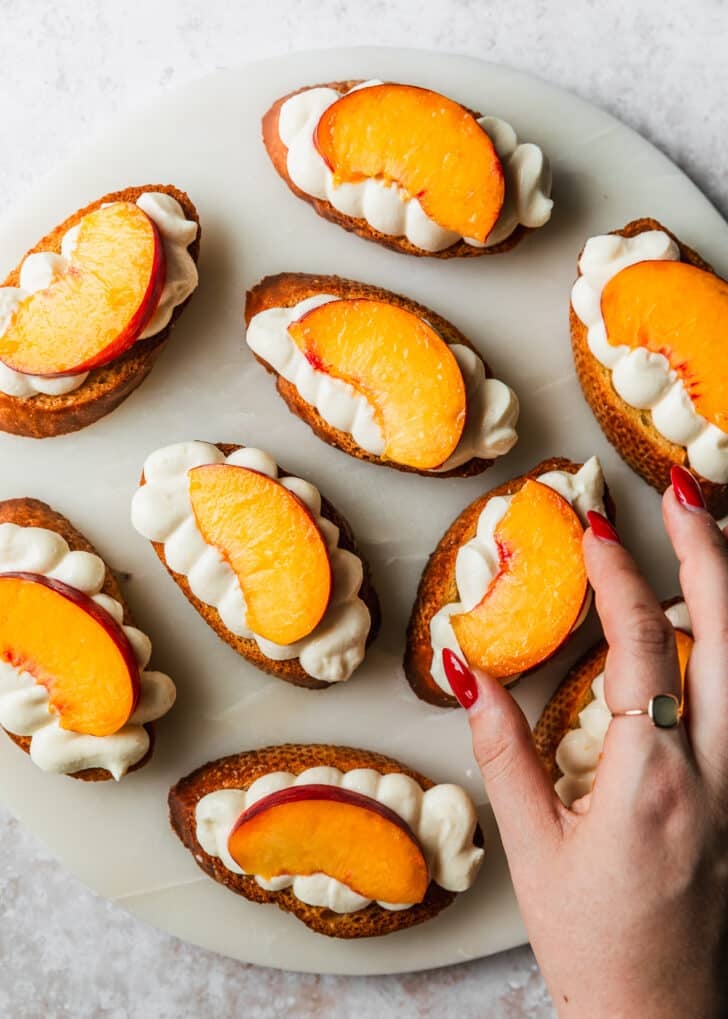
(664, 711)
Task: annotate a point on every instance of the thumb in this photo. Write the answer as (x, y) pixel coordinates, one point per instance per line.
(524, 802)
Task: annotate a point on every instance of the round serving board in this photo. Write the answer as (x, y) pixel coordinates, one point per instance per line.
(205, 138)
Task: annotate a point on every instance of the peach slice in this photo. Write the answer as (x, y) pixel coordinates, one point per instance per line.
(323, 829)
(71, 646)
(400, 364)
(684, 643)
(427, 144)
(534, 601)
(96, 309)
(272, 544)
(680, 311)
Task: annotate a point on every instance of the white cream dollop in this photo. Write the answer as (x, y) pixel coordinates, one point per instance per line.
(40, 269)
(642, 378)
(162, 512)
(492, 407)
(578, 753)
(443, 819)
(389, 209)
(478, 560)
(24, 704)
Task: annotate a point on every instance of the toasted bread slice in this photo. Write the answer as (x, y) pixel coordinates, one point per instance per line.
(291, 671)
(630, 430)
(33, 513)
(437, 586)
(43, 416)
(287, 289)
(570, 697)
(239, 771)
(278, 153)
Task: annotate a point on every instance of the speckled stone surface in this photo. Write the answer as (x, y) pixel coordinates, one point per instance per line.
(67, 68)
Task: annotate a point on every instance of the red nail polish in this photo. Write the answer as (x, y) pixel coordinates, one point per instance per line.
(688, 491)
(602, 528)
(460, 678)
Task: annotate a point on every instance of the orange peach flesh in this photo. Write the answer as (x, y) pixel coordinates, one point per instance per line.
(272, 544)
(73, 647)
(320, 829)
(427, 144)
(534, 601)
(400, 364)
(95, 310)
(684, 643)
(680, 311)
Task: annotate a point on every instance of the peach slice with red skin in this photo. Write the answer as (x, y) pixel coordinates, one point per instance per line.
(680, 311)
(271, 542)
(400, 364)
(324, 829)
(95, 310)
(72, 647)
(429, 145)
(533, 602)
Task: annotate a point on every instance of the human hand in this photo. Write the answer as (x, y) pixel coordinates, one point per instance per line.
(625, 895)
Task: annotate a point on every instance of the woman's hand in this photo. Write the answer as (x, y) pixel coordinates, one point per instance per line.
(625, 896)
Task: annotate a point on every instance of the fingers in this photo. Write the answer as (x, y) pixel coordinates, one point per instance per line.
(703, 554)
(525, 805)
(702, 550)
(642, 658)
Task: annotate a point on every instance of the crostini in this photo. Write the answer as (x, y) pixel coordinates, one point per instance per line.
(507, 585)
(571, 731)
(75, 690)
(268, 563)
(649, 320)
(386, 848)
(86, 313)
(379, 376)
(408, 168)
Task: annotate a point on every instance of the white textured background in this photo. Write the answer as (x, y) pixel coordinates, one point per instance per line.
(66, 68)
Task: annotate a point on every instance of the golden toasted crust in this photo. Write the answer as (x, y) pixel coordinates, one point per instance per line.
(570, 697)
(105, 388)
(32, 513)
(291, 671)
(630, 430)
(287, 289)
(437, 586)
(239, 772)
(278, 155)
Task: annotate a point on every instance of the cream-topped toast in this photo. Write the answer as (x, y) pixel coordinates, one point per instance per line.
(265, 560)
(408, 167)
(76, 691)
(386, 848)
(507, 585)
(649, 321)
(85, 314)
(379, 376)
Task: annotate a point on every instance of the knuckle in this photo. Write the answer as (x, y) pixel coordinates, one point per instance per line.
(497, 754)
(647, 631)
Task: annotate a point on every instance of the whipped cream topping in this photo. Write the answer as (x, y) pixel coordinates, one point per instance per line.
(443, 819)
(492, 407)
(578, 753)
(644, 379)
(24, 704)
(387, 207)
(478, 560)
(162, 512)
(40, 269)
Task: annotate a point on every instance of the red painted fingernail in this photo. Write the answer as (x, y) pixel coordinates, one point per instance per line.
(688, 491)
(602, 528)
(460, 678)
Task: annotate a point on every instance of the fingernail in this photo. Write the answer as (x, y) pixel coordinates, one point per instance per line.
(602, 528)
(460, 678)
(688, 491)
